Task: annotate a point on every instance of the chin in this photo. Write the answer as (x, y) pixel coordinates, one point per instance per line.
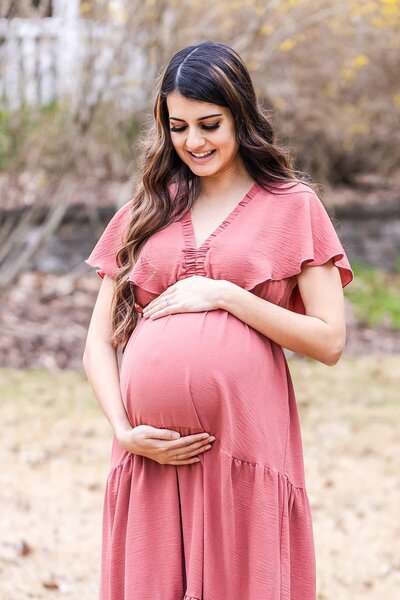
(204, 169)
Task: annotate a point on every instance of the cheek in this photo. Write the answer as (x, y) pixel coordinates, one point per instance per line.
(175, 143)
(227, 142)
(178, 147)
(229, 148)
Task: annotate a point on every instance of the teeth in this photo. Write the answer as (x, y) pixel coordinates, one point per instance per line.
(202, 154)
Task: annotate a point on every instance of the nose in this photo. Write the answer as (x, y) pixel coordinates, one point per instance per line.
(194, 142)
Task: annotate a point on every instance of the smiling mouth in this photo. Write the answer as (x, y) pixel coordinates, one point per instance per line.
(201, 154)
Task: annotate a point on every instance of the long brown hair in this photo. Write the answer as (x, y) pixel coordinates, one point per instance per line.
(210, 72)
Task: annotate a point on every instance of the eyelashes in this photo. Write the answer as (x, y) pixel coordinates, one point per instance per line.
(207, 127)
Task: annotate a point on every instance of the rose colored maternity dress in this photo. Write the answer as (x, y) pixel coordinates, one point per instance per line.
(237, 525)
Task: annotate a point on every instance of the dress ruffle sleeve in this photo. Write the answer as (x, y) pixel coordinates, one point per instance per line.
(103, 255)
(316, 242)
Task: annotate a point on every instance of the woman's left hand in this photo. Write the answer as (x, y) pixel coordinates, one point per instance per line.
(192, 294)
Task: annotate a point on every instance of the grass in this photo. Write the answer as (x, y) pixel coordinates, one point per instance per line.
(375, 296)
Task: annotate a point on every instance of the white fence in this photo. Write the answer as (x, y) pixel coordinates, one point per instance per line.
(53, 59)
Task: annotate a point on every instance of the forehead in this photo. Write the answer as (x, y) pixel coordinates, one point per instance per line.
(187, 108)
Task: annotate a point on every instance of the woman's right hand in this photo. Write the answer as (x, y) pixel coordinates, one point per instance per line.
(159, 445)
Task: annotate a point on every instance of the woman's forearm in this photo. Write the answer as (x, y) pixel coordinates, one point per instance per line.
(101, 367)
(303, 334)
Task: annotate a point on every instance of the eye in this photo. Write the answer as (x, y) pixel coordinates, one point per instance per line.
(207, 127)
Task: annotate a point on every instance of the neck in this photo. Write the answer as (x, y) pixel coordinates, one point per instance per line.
(234, 178)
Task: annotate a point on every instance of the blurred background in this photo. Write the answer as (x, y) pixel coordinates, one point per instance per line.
(76, 96)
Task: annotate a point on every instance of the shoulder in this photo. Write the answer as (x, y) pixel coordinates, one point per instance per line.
(296, 191)
(291, 202)
(124, 210)
(121, 218)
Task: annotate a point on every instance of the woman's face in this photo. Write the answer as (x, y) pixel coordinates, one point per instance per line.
(200, 127)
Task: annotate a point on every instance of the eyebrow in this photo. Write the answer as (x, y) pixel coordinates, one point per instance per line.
(200, 118)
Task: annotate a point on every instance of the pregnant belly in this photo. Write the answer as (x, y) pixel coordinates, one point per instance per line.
(180, 371)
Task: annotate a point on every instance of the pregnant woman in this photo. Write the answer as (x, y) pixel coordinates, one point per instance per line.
(223, 257)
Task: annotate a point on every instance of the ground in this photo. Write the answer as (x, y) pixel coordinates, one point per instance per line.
(56, 445)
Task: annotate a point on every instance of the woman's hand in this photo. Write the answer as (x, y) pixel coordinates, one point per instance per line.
(193, 294)
(159, 445)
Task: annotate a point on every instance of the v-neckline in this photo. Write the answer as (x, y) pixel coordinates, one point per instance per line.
(188, 228)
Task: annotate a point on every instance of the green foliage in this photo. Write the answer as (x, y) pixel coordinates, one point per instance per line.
(11, 138)
(18, 129)
(33, 138)
(375, 295)
(6, 140)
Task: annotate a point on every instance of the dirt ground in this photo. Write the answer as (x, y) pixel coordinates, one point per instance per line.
(56, 448)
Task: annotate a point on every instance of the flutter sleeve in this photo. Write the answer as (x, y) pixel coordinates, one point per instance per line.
(316, 242)
(103, 255)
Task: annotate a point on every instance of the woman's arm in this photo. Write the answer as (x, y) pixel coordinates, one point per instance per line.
(319, 334)
(100, 360)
